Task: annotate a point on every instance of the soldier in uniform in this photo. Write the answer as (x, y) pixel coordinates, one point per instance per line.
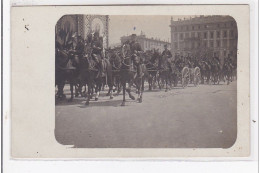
(97, 51)
(77, 46)
(97, 46)
(166, 52)
(135, 54)
(216, 58)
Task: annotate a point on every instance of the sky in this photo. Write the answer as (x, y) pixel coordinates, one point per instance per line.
(152, 26)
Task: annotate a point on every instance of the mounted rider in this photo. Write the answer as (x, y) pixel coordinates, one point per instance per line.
(228, 60)
(77, 46)
(76, 50)
(136, 49)
(168, 54)
(155, 56)
(216, 59)
(97, 53)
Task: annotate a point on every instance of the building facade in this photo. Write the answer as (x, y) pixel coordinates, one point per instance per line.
(205, 35)
(85, 24)
(148, 43)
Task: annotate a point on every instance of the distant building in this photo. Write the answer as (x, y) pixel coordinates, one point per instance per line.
(147, 43)
(205, 35)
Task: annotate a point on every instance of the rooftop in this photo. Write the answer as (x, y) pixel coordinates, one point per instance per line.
(143, 36)
(203, 19)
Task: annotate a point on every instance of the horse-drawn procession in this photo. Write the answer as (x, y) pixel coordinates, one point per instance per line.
(87, 67)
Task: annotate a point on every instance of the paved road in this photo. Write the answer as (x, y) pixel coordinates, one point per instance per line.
(194, 117)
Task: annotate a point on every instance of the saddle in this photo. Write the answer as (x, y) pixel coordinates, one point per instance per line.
(101, 65)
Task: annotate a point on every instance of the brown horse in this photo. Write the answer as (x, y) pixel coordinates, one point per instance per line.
(152, 69)
(164, 72)
(94, 76)
(227, 72)
(205, 70)
(66, 70)
(128, 74)
(113, 55)
(215, 71)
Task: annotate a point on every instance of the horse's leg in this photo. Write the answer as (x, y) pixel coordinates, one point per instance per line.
(140, 90)
(92, 90)
(150, 82)
(76, 90)
(85, 89)
(128, 90)
(110, 86)
(154, 81)
(158, 80)
(228, 78)
(124, 88)
(142, 83)
(98, 89)
(166, 83)
(71, 92)
(88, 95)
(60, 90)
(109, 90)
(80, 89)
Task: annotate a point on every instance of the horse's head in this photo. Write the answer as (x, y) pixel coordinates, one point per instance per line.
(61, 58)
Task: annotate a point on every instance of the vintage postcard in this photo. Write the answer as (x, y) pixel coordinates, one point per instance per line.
(130, 81)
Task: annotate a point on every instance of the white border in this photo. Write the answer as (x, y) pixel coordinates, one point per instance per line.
(130, 166)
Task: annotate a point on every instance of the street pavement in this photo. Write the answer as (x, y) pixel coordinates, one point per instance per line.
(194, 117)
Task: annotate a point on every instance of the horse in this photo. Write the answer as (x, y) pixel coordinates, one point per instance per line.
(113, 56)
(66, 69)
(129, 75)
(164, 72)
(215, 71)
(152, 69)
(227, 72)
(205, 69)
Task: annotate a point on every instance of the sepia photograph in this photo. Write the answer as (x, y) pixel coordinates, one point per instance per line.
(103, 82)
(146, 81)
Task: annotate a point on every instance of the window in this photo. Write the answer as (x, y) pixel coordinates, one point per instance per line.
(176, 45)
(199, 26)
(231, 33)
(186, 35)
(176, 36)
(198, 34)
(225, 53)
(198, 44)
(181, 36)
(224, 43)
(205, 35)
(218, 25)
(218, 43)
(211, 34)
(225, 34)
(205, 44)
(205, 26)
(218, 34)
(192, 27)
(192, 34)
(211, 44)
